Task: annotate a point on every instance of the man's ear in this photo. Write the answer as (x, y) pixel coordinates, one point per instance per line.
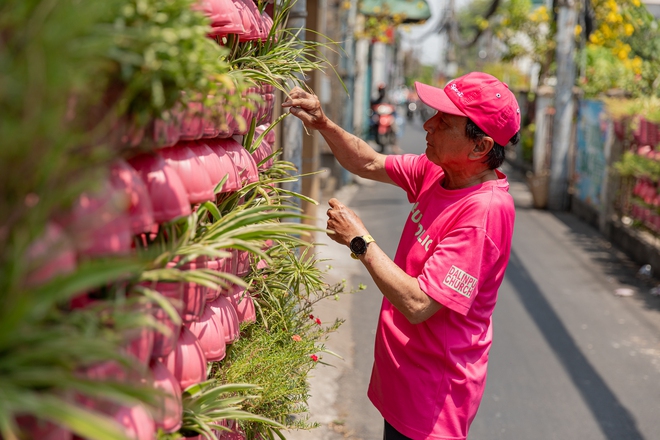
(482, 148)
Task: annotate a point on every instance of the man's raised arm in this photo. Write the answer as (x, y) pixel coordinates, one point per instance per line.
(353, 153)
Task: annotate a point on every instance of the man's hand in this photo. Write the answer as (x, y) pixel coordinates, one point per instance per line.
(344, 222)
(306, 107)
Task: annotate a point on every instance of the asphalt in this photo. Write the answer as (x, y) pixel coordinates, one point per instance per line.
(571, 357)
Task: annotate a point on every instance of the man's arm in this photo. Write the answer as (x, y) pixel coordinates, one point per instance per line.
(353, 153)
(399, 288)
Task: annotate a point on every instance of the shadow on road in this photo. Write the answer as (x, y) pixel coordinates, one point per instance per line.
(614, 420)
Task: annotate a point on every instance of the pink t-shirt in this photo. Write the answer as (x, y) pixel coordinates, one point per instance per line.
(428, 378)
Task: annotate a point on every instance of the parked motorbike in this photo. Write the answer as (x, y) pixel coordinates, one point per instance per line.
(383, 121)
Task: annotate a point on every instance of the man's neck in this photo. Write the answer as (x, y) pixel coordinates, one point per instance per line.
(460, 179)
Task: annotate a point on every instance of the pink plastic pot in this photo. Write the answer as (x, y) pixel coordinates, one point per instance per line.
(166, 132)
(137, 422)
(187, 362)
(229, 169)
(194, 295)
(168, 196)
(50, 255)
(241, 262)
(225, 18)
(247, 169)
(209, 160)
(125, 179)
(141, 345)
(270, 136)
(170, 412)
(261, 153)
(223, 265)
(190, 169)
(164, 343)
(226, 314)
(253, 29)
(98, 225)
(32, 428)
(192, 122)
(210, 334)
(267, 23)
(243, 304)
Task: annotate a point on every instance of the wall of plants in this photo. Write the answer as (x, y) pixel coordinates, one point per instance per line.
(156, 280)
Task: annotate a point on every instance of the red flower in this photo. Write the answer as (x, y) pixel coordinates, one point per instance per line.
(318, 321)
(296, 338)
(311, 316)
(314, 357)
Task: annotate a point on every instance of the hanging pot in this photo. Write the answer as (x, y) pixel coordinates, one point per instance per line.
(169, 413)
(261, 153)
(226, 314)
(49, 255)
(191, 171)
(33, 428)
(229, 169)
(209, 160)
(242, 261)
(164, 343)
(124, 178)
(98, 223)
(243, 304)
(252, 28)
(225, 18)
(194, 295)
(137, 422)
(187, 362)
(168, 196)
(210, 334)
(247, 169)
(192, 121)
(140, 344)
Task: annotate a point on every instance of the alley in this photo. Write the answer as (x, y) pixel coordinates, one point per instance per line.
(570, 358)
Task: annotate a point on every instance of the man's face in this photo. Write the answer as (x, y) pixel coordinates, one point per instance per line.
(446, 142)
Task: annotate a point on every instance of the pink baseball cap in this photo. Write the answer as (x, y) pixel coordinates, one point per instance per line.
(484, 99)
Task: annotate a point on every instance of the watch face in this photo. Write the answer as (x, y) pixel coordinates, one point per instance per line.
(358, 245)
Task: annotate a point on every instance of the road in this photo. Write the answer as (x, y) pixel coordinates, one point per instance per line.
(570, 358)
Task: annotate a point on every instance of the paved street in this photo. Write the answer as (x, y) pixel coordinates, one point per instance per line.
(570, 359)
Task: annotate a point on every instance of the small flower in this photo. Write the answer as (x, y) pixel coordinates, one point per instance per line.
(296, 338)
(311, 316)
(318, 321)
(314, 357)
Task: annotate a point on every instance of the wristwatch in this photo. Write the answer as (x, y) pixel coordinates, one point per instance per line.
(359, 244)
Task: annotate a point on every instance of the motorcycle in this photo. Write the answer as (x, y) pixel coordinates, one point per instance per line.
(384, 125)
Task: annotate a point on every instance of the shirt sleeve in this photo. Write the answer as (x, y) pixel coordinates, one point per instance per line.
(458, 268)
(407, 171)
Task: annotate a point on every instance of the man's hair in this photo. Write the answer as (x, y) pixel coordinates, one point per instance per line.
(495, 156)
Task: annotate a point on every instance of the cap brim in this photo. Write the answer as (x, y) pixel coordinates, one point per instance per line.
(436, 98)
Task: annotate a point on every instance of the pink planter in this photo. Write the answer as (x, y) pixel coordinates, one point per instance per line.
(168, 196)
(194, 295)
(229, 168)
(253, 29)
(192, 122)
(190, 169)
(50, 255)
(209, 160)
(141, 345)
(261, 153)
(243, 303)
(125, 179)
(137, 422)
(247, 169)
(164, 343)
(210, 334)
(221, 265)
(33, 428)
(241, 262)
(227, 317)
(98, 226)
(169, 414)
(187, 362)
(166, 133)
(225, 18)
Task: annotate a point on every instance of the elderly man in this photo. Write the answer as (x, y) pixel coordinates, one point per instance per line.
(434, 331)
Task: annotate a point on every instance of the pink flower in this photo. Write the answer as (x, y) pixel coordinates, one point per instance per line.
(296, 338)
(314, 357)
(318, 321)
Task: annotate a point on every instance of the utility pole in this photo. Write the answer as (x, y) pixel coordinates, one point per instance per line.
(567, 18)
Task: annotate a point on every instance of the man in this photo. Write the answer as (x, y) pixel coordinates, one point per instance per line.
(434, 331)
